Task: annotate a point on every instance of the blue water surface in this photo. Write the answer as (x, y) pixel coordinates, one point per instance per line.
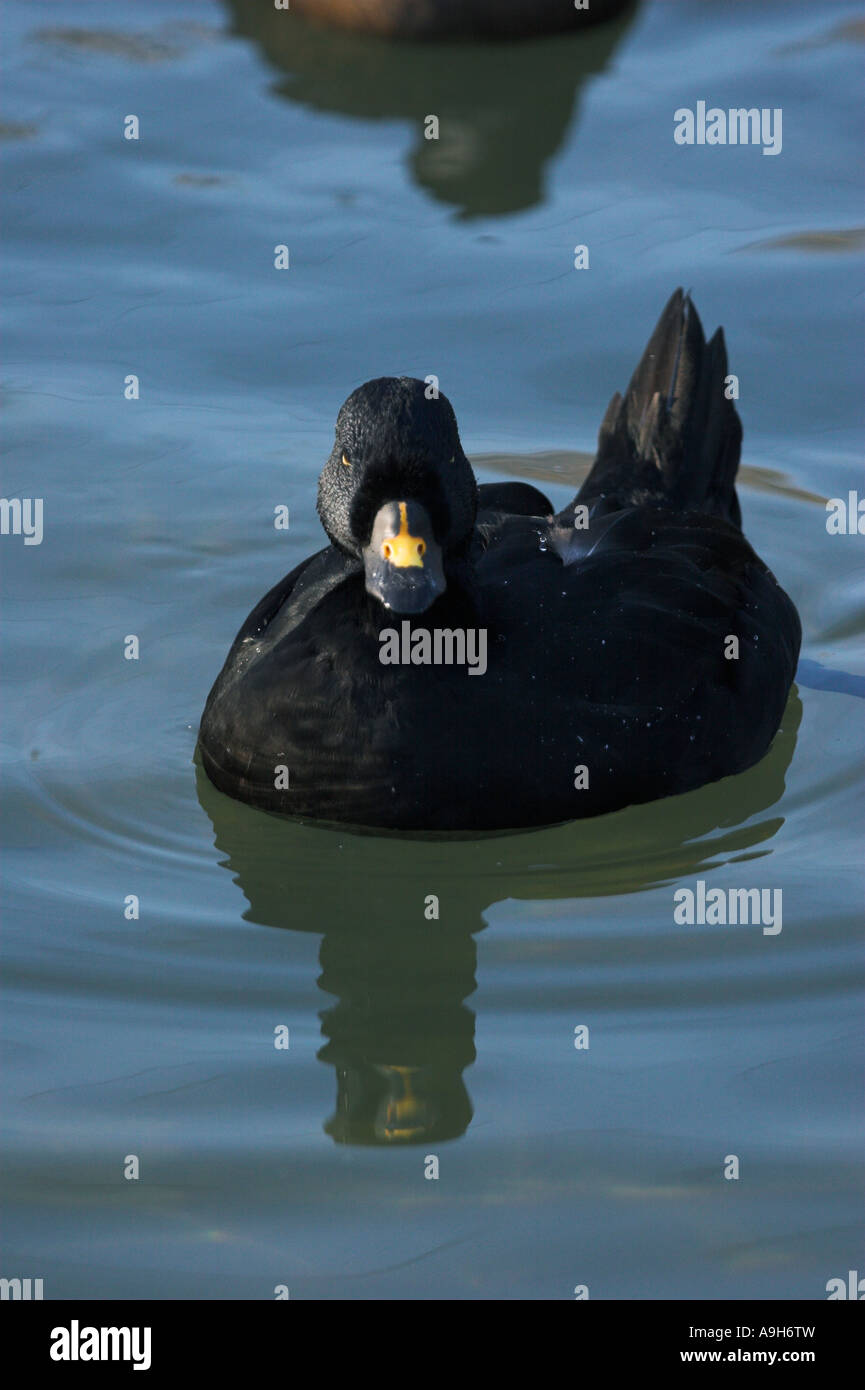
(153, 1036)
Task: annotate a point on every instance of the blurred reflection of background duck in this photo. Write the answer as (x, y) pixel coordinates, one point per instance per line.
(496, 136)
(447, 19)
(634, 644)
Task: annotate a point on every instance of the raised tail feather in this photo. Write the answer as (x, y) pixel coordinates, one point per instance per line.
(674, 438)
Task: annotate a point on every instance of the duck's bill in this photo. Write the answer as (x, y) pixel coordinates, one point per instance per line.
(403, 561)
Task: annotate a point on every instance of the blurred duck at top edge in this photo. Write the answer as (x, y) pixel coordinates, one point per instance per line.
(449, 19)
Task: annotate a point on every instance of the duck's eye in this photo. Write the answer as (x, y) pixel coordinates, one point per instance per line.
(421, 547)
(387, 550)
(346, 461)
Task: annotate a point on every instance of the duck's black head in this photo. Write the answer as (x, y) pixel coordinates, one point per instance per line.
(398, 492)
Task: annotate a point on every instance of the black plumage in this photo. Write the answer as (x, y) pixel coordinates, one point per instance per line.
(609, 677)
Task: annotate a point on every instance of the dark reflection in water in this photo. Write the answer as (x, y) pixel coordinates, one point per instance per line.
(504, 108)
(400, 1034)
